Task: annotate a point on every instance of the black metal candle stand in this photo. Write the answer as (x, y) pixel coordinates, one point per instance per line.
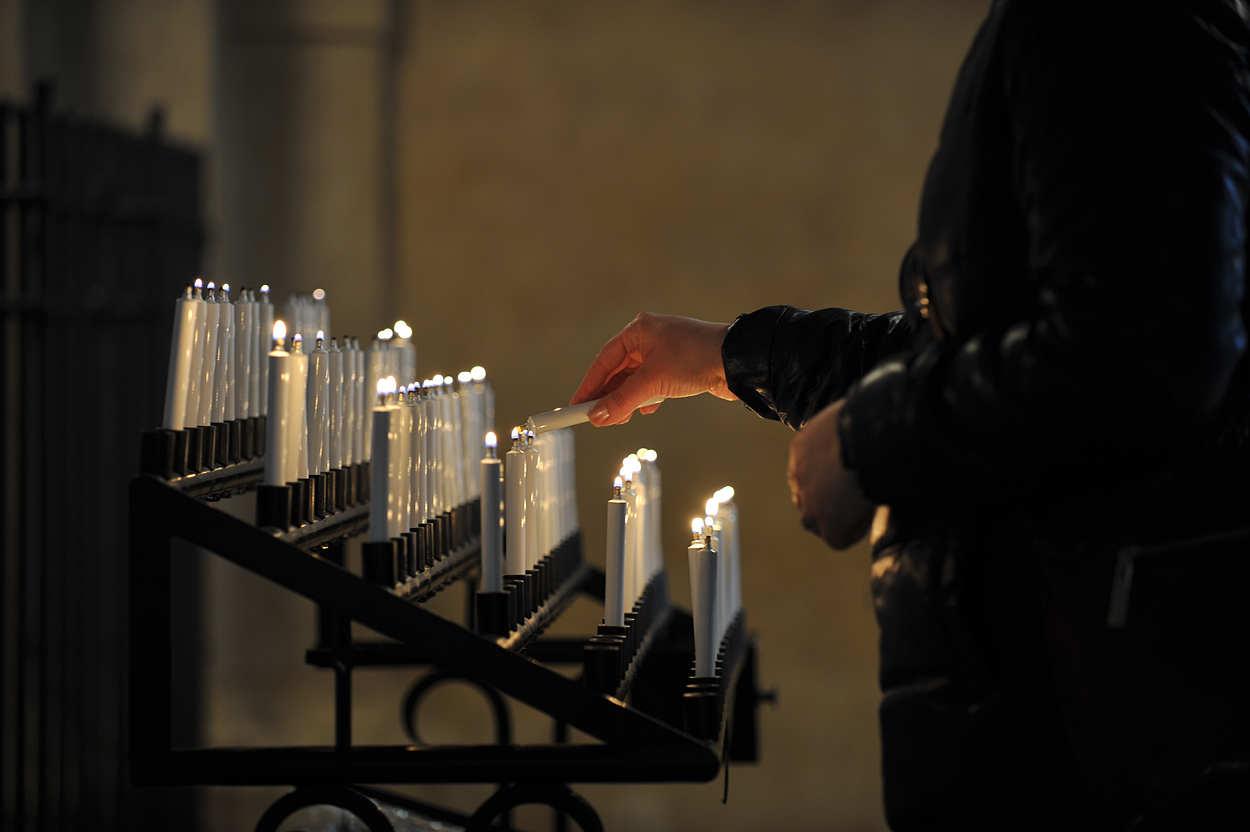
(634, 703)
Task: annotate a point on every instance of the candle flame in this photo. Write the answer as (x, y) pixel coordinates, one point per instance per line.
(386, 335)
(464, 377)
(696, 526)
(199, 284)
(491, 441)
(382, 387)
(437, 381)
(712, 507)
(627, 475)
(516, 434)
(618, 483)
(403, 330)
(478, 373)
(319, 294)
(279, 331)
(297, 338)
(264, 288)
(391, 387)
(225, 287)
(725, 494)
(211, 286)
(708, 522)
(321, 335)
(447, 380)
(652, 456)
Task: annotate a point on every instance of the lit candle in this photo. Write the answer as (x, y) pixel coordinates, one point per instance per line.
(456, 444)
(492, 542)
(703, 600)
(380, 503)
(320, 311)
(714, 529)
(566, 417)
(181, 353)
(728, 514)
(318, 407)
(375, 369)
(223, 398)
(278, 426)
(432, 445)
(633, 586)
(533, 504)
(655, 493)
(210, 365)
(298, 403)
(243, 356)
(264, 326)
(403, 459)
(407, 353)
(478, 375)
(416, 514)
(614, 560)
(334, 405)
(516, 489)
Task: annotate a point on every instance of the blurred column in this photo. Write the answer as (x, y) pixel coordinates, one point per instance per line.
(305, 151)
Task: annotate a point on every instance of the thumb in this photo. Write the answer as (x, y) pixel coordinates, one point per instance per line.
(617, 406)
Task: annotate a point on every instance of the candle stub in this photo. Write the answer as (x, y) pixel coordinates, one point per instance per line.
(566, 417)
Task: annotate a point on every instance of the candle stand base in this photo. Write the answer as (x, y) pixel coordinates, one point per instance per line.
(377, 562)
(340, 489)
(317, 482)
(235, 428)
(491, 613)
(260, 435)
(247, 439)
(208, 447)
(273, 507)
(182, 449)
(634, 700)
(156, 452)
(193, 450)
(220, 443)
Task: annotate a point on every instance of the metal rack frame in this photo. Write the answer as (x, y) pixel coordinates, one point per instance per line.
(641, 741)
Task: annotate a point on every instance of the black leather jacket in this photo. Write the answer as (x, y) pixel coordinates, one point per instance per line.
(1068, 376)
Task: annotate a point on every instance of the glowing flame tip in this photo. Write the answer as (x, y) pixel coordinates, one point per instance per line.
(478, 373)
(279, 331)
(696, 525)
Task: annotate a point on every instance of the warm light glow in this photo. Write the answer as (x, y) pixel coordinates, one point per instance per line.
(641, 453)
(478, 373)
(264, 288)
(225, 287)
(199, 284)
(696, 526)
(211, 286)
(712, 507)
(708, 522)
(516, 434)
(652, 456)
(298, 339)
(403, 330)
(383, 387)
(627, 475)
(618, 483)
(491, 441)
(319, 294)
(463, 377)
(321, 335)
(279, 331)
(391, 386)
(386, 335)
(447, 382)
(437, 381)
(725, 494)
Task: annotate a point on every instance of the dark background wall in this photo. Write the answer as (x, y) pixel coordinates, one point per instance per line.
(516, 181)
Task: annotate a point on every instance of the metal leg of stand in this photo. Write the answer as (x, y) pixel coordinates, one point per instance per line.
(522, 794)
(560, 819)
(354, 802)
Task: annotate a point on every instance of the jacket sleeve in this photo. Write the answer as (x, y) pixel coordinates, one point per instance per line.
(787, 364)
(1129, 148)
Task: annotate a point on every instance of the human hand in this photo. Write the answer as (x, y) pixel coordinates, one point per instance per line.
(654, 355)
(826, 493)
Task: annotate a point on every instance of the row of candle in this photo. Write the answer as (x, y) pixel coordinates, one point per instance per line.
(423, 448)
(216, 371)
(634, 550)
(715, 577)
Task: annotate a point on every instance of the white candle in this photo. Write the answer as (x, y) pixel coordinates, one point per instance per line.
(728, 513)
(243, 356)
(211, 363)
(457, 449)
(614, 560)
(380, 502)
(298, 405)
(492, 540)
(655, 494)
(416, 426)
(703, 579)
(566, 417)
(264, 327)
(334, 405)
(403, 459)
(406, 351)
(320, 312)
(533, 502)
(278, 426)
(632, 578)
(433, 441)
(360, 451)
(722, 574)
(318, 405)
(516, 490)
(181, 349)
(225, 347)
(375, 369)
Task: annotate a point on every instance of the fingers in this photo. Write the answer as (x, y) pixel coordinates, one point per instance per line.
(620, 353)
(618, 406)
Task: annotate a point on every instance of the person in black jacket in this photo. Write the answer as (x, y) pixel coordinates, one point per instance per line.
(1068, 378)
